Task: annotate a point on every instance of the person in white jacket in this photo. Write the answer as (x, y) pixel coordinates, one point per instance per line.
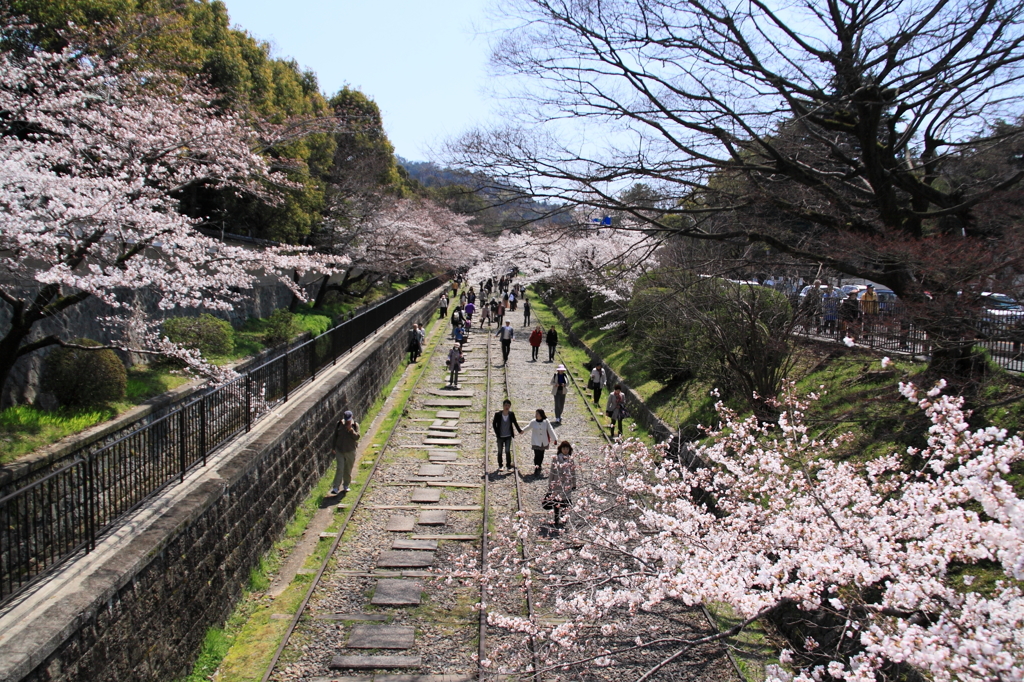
(542, 435)
(598, 380)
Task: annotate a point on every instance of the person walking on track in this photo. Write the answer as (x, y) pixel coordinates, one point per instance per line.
(598, 380)
(616, 408)
(561, 481)
(542, 436)
(559, 389)
(442, 307)
(346, 436)
(552, 340)
(505, 426)
(415, 346)
(535, 338)
(506, 334)
(526, 313)
(455, 360)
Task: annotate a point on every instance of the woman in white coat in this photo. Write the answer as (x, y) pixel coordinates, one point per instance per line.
(542, 435)
(598, 380)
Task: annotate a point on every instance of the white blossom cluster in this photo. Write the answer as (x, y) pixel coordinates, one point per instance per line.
(773, 521)
(92, 161)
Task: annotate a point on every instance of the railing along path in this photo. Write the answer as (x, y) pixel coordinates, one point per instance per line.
(51, 519)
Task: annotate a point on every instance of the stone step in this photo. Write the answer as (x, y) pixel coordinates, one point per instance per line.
(399, 523)
(381, 677)
(352, 616)
(442, 536)
(442, 441)
(431, 470)
(433, 517)
(452, 392)
(450, 402)
(407, 543)
(342, 662)
(395, 559)
(456, 507)
(443, 456)
(448, 414)
(382, 637)
(426, 495)
(392, 592)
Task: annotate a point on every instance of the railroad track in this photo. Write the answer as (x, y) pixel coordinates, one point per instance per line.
(323, 631)
(524, 551)
(301, 611)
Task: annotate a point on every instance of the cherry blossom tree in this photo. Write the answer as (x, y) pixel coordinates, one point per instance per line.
(400, 238)
(606, 261)
(91, 161)
(870, 564)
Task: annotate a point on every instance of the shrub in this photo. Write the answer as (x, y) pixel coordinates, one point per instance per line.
(84, 377)
(281, 328)
(314, 324)
(206, 333)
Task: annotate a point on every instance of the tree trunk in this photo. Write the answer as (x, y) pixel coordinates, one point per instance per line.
(9, 345)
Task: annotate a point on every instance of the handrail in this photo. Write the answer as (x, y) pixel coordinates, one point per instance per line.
(45, 522)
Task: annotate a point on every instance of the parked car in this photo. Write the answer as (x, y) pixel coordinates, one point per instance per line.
(1002, 316)
(887, 298)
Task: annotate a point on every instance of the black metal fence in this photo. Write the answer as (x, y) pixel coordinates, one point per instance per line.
(891, 329)
(52, 518)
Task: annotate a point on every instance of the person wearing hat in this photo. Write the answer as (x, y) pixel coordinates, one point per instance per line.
(346, 436)
(559, 389)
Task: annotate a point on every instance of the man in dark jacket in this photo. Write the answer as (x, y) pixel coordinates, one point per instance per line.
(503, 423)
(552, 340)
(346, 436)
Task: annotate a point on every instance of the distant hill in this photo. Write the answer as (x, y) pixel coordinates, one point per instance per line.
(494, 205)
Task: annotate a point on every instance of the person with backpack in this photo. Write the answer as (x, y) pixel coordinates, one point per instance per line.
(458, 318)
(506, 334)
(542, 436)
(616, 408)
(346, 437)
(552, 339)
(415, 344)
(505, 425)
(559, 389)
(535, 338)
(455, 360)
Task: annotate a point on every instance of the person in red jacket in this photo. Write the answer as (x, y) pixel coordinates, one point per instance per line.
(535, 339)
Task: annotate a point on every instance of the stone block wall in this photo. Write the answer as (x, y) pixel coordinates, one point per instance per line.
(145, 618)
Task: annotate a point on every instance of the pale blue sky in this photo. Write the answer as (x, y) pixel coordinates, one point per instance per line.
(422, 62)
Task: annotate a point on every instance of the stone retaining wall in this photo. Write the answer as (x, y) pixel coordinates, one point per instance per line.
(144, 614)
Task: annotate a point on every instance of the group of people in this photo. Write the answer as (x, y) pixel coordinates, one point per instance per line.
(829, 311)
(562, 476)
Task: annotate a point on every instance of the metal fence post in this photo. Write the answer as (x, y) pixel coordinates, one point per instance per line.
(248, 401)
(285, 375)
(181, 441)
(90, 504)
(203, 406)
